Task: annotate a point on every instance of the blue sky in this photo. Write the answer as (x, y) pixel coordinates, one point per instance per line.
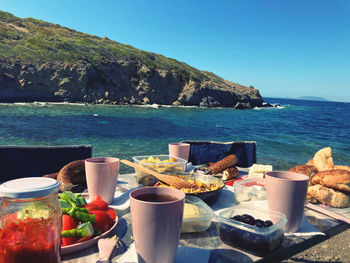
(283, 48)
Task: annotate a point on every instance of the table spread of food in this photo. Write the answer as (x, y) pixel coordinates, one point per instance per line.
(256, 230)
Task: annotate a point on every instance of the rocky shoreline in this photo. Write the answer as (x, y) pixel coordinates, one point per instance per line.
(118, 82)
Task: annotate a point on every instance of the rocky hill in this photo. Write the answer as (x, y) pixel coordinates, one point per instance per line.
(41, 61)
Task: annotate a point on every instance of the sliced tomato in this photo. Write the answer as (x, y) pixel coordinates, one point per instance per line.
(97, 204)
(103, 220)
(68, 223)
(112, 213)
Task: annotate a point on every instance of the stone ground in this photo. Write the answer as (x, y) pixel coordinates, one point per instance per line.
(335, 249)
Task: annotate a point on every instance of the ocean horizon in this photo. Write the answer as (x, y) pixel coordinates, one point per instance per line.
(286, 135)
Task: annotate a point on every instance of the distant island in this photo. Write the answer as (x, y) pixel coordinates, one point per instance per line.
(41, 61)
(312, 98)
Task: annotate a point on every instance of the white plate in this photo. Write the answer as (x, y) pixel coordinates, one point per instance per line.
(88, 243)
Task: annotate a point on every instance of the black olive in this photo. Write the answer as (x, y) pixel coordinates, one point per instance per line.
(259, 223)
(248, 219)
(237, 218)
(268, 223)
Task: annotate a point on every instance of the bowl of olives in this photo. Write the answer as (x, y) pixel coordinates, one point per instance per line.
(256, 230)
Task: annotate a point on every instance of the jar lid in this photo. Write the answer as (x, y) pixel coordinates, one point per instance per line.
(29, 187)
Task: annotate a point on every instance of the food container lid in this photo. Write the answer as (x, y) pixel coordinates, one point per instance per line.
(162, 157)
(250, 182)
(29, 187)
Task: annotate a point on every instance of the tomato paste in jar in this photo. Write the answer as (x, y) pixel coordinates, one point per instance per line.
(30, 221)
(28, 240)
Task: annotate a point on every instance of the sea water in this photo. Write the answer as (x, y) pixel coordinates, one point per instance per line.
(285, 136)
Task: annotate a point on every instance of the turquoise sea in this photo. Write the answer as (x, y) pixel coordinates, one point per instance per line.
(285, 136)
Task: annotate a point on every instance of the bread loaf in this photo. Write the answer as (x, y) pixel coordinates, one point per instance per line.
(230, 173)
(310, 162)
(53, 175)
(71, 174)
(329, 196)
(323, 159)
(224, 163)
(342, 167)
(336, 179)
(308, 170)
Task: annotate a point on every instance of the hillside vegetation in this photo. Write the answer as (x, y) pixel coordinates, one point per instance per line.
(45, 61)
(34, 39)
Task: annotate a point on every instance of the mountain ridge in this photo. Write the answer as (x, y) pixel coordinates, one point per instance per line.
(41, 60)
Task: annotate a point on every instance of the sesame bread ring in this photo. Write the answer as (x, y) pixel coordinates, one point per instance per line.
(71, 174)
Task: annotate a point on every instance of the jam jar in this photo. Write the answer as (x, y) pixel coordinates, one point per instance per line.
(30, 221)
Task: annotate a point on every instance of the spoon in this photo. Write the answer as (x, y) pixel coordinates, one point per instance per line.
(105, 247)
(175, 181)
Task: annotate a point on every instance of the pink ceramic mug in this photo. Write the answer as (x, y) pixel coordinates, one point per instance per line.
(101, 177)
(156, 217)
(286, 193)
(180, 150)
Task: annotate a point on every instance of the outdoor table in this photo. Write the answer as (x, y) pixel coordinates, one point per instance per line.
(209, 241)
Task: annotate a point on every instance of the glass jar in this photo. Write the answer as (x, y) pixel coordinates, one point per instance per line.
(30, 221)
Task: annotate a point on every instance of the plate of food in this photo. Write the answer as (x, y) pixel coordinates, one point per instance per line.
(88, 243)
(83, 224)
(204, 186)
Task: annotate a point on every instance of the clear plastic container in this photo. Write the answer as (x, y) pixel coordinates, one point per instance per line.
(259, 240)
(30, 221)
(250, 189)
(159, 163)
(199, 221)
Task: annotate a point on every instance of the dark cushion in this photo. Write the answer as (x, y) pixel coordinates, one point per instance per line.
(202, 152)
(32, 161)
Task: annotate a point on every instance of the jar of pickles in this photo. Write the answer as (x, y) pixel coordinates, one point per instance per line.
(30, 221)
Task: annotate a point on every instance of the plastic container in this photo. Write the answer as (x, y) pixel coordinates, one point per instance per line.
(159, 163)
(197, 222)
(258, 240)
(250, 189)
(30, 221)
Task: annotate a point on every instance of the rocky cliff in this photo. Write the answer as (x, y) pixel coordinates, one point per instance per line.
(40, 61)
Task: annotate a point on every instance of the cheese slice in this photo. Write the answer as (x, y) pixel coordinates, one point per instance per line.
(190, 210)
(259, 170)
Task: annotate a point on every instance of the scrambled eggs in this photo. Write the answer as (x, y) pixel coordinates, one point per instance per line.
(159, 166)
(196, 187)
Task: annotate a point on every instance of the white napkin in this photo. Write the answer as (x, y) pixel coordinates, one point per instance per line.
(121, 199)
(183, 254)
(305, 229)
